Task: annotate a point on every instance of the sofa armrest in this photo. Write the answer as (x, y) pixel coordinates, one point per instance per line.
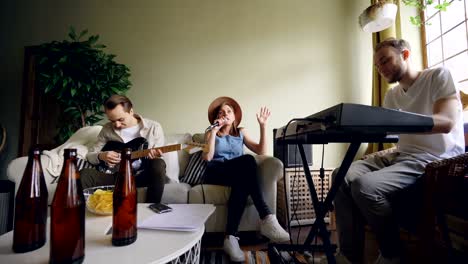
(454, 166)
(444, 200)
(16, 169)
(270, 170)
(444, 180)
(269, 167)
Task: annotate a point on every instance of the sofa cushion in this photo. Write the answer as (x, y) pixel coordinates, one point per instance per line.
(176, 160)
(175, 193)
(214, 194)
(195, 170)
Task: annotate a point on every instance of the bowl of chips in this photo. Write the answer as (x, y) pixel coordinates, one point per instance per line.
(99, 199)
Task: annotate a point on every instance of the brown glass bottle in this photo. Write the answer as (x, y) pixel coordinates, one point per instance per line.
(67, 225)
(124, 218)
(29, 231)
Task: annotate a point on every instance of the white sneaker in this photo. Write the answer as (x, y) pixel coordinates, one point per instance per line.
(339, 258)
(232, 248)
(382, 260)
(270, 228)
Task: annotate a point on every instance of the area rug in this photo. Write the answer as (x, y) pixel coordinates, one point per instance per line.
(219, 257)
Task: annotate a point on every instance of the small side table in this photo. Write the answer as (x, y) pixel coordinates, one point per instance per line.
(151, 246)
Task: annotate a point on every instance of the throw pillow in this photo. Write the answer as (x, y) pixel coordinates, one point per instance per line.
(83, 164)
(195, 169)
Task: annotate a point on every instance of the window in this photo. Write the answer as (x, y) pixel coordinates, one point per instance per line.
(446, 40)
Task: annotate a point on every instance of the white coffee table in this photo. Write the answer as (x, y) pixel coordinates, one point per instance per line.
(151, 246)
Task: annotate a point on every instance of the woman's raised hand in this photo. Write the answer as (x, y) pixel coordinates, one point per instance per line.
(262, 117)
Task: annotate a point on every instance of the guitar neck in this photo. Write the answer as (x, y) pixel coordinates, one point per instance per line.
(144, 152)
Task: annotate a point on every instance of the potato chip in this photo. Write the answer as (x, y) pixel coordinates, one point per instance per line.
(100, 202)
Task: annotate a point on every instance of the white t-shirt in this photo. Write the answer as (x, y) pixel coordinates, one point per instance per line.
(430, 86)
(130, 133)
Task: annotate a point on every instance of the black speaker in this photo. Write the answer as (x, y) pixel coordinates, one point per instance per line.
(7, 198)
(291, 156)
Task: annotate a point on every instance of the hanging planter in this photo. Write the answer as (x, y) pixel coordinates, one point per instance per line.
(378, 16)
(382, 14)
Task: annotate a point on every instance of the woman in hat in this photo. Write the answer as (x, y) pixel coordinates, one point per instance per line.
(229, 166)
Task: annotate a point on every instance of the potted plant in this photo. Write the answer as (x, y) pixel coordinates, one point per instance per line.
(80, 75)
(381, 14)
(421, 5)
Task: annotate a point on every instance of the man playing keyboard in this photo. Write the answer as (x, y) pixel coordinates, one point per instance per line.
(366, 193)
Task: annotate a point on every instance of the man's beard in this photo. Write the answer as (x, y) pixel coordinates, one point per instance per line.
(396, 77)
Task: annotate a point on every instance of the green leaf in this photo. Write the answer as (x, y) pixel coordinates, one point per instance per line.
(72, 33)
(84, 32)
(44, 75)
(443, 6)
(115, 90)
(73, 92)
(43, 60)
(76, 114)
(48, 88)
(91, 120)
(93, 39)
(69, 109)
(414, 3)
(63, 59)
(416, 20)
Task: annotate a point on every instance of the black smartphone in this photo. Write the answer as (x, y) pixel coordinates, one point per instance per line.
(160, 208)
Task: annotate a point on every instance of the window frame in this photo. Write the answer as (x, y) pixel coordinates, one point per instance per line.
(425, 43)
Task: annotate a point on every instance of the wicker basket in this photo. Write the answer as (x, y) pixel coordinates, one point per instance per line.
(301, 211)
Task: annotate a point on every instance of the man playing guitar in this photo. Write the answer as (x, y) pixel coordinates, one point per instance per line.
(126, 127)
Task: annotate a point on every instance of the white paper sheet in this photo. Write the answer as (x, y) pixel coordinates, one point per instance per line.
(184, 217)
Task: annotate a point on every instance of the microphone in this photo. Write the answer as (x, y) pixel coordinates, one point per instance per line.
(215, 124)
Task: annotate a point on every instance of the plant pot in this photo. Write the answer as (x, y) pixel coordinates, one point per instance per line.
(378, 17)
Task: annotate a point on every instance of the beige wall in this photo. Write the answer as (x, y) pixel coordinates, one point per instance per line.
(412, 34)
(296, 57)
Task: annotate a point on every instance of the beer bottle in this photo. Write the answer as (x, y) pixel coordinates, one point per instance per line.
(124, 218)
(67, 225)
(29, 231)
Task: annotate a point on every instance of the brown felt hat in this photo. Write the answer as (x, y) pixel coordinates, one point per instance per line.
(219, 101)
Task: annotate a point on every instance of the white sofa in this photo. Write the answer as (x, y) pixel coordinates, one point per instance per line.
(270, 170)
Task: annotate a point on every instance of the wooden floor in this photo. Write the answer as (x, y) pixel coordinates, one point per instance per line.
(252, 241)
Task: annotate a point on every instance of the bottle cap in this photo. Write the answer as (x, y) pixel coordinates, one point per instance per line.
(35, 150)
(127, 151)
(70, 152)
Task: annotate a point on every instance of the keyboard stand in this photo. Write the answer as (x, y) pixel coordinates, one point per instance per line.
(322, 207)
